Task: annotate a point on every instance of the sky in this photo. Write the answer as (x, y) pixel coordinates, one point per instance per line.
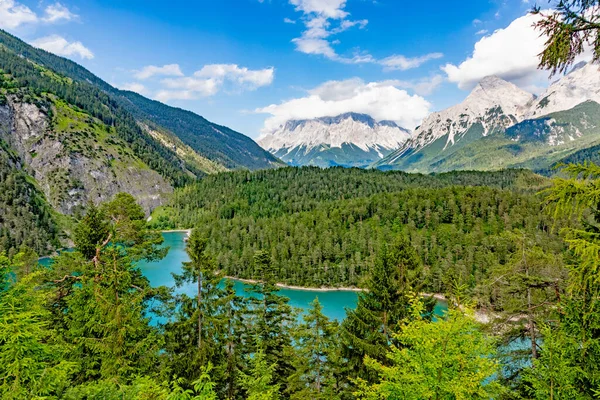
(254, 64)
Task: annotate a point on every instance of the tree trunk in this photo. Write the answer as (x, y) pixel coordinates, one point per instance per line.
(199, 311)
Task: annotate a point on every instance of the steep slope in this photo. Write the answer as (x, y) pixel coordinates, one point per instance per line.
(25, 216)
(212, 142)
(579, 85)
(217, 143)
(75, 157)
(349, 140)
(535, 133)
(491, 107)
(534, 144)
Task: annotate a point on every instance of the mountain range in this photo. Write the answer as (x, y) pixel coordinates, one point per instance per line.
(79, 139)
(349, 140)
(500, 125)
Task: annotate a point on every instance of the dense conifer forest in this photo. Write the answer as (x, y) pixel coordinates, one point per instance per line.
(529, 259)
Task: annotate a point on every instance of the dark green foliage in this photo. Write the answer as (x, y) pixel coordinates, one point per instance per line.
(123, 109)
(325, 227)
(91, 231)
(271, 317)
(368, 330)
(25, 216)
(318, 357)
(215, 142)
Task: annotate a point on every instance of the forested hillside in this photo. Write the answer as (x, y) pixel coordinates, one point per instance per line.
(83, 323)
(125, 109)
(25, 216)
(326, 227)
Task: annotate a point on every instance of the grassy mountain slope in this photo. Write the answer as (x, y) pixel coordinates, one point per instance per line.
(212, 142)
(215, 142)
(534, 144)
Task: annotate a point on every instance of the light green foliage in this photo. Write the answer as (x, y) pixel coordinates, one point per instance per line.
(32, 358)
(368, 330)
(258, 381)
(574, 343)
(449, 359)
(554, 375)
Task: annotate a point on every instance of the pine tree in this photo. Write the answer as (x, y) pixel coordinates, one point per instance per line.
(33, 362)
(258, 383)
(316, 345)
(105, 307)
(271, 319)
(578, 329)
(370, 328)
(191, 339)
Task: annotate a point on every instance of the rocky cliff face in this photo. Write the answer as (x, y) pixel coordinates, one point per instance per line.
(349, 139)
(75, 158)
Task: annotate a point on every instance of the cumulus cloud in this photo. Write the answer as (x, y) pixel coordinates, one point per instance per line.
(382, 100)
(402, 63)
(510, 53)
(251, 79)
(209, 80)
(152, 70)
(323, 19)
(57, 12)
(58, 45)
(13, 14)
(166, 95)
(134, 87)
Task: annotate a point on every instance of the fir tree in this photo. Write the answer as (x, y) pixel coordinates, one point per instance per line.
(368, 330)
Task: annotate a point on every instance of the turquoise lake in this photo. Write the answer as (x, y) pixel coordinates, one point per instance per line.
(334, 302)
(159, 273)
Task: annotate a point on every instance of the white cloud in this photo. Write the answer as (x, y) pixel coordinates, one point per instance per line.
(57, 12)
(192, 86)
(323, 19)
(289, 21)
(402, 63)
(248, 78)
(134, 87)
(166, 95)
(481, 32)
(381, 100)
(328, 8)
(13, 14)
(510, 53)
(209, 80)
(58, 45)
(152, 70)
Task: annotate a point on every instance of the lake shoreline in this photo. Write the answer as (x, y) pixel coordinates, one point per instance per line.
(188, 232)
(293, 287)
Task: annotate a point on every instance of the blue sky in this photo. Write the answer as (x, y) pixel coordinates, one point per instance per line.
(252, 64)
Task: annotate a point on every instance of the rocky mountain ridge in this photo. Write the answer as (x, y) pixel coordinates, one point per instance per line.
(349, 139)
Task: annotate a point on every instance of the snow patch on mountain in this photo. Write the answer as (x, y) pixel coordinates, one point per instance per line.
(358, 130)
(579, 85)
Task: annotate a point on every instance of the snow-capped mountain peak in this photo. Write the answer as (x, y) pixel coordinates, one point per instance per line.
(332, 139)
(493, 103)
(581, 84)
